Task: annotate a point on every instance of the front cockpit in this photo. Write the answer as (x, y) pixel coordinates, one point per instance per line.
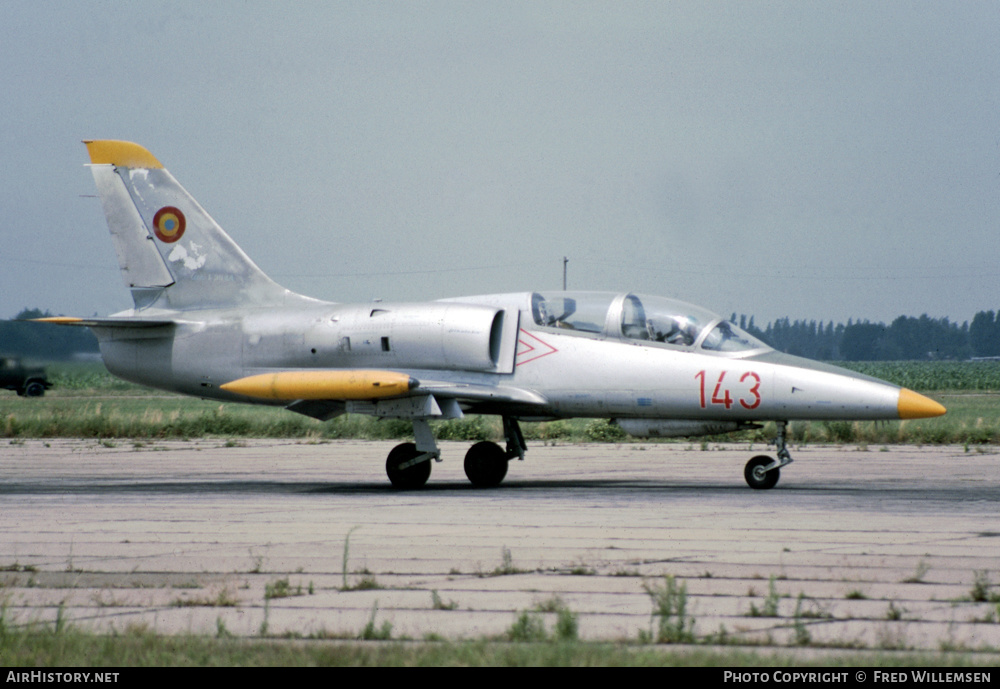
(656, 321)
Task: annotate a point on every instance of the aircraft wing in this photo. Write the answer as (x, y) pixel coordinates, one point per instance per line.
(473, 392)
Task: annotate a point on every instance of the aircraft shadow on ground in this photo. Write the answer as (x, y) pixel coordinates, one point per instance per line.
(651, 486)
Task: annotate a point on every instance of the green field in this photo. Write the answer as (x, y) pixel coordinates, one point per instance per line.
(72, 648)
(87, 402)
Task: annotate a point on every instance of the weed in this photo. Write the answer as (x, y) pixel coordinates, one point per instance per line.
(224, 599)
(802, 635)
(553, 604)
(347, 547)
(367, 583)
(918, 574)
(567, 625)
(18, 568)
(281, 588)
(855, 594)
(4, 622)
(990, 617)
(980, 591)
(894, 614)
(439, 604)
(373, 633)
(527, 627)
(60, 626)
(719, 638)
(670, 611)
(221, 632)
(258, 562)
(506, 565)
(770, 608)
(890, 638)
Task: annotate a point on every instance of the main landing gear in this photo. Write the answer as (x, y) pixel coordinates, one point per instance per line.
(763, 472)
(409, 464)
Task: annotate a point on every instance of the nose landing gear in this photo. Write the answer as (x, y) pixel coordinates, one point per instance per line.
(762, 472)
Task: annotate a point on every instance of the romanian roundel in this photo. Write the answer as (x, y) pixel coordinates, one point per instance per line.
(168, 224)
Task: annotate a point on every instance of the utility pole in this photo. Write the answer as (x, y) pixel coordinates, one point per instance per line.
(565, 261)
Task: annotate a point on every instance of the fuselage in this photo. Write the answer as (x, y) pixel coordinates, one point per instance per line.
(620, 356)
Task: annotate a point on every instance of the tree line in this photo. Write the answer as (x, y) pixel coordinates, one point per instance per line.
(20, 337)
(905, 339)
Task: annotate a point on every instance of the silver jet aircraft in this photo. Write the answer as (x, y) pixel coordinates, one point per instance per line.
(208, 322)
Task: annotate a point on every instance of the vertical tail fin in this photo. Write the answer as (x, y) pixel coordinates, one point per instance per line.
(172, 253)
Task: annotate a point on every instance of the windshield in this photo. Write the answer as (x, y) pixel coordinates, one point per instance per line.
(726, 337)
(658, 319)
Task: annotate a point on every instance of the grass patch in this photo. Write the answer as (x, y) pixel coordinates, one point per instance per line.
(137, 646)
(224, 599)
(673, 625)
(373, 633)
(437, 603)
(282, 588)
(506, 566)
(980, 591)
(770, 604)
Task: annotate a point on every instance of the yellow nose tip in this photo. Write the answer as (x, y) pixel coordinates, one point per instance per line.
(915, 406)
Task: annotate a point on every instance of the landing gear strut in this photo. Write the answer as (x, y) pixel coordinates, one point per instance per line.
(409, 464)
(762, 472)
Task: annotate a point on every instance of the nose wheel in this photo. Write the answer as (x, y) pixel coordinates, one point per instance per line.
(759, 476)
(762, 472)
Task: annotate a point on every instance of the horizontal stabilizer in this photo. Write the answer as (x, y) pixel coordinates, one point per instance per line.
(323, 385)
(107, 322)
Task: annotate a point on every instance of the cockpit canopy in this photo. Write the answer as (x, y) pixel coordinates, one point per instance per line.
(653, 320)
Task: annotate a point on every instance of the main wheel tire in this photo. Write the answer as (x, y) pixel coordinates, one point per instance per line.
(486, 464)
(411, 477)
(756, 477)
(34, 389)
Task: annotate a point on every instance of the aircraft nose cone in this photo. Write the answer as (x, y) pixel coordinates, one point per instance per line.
(915, 406)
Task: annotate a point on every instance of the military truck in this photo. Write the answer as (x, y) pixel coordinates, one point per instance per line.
(26, 381)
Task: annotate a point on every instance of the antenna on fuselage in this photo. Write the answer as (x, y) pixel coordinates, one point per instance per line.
(565, 261)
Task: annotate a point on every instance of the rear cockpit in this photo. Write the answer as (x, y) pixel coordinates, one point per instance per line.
(643, 320)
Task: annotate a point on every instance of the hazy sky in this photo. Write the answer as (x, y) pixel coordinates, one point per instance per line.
(812, 160)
